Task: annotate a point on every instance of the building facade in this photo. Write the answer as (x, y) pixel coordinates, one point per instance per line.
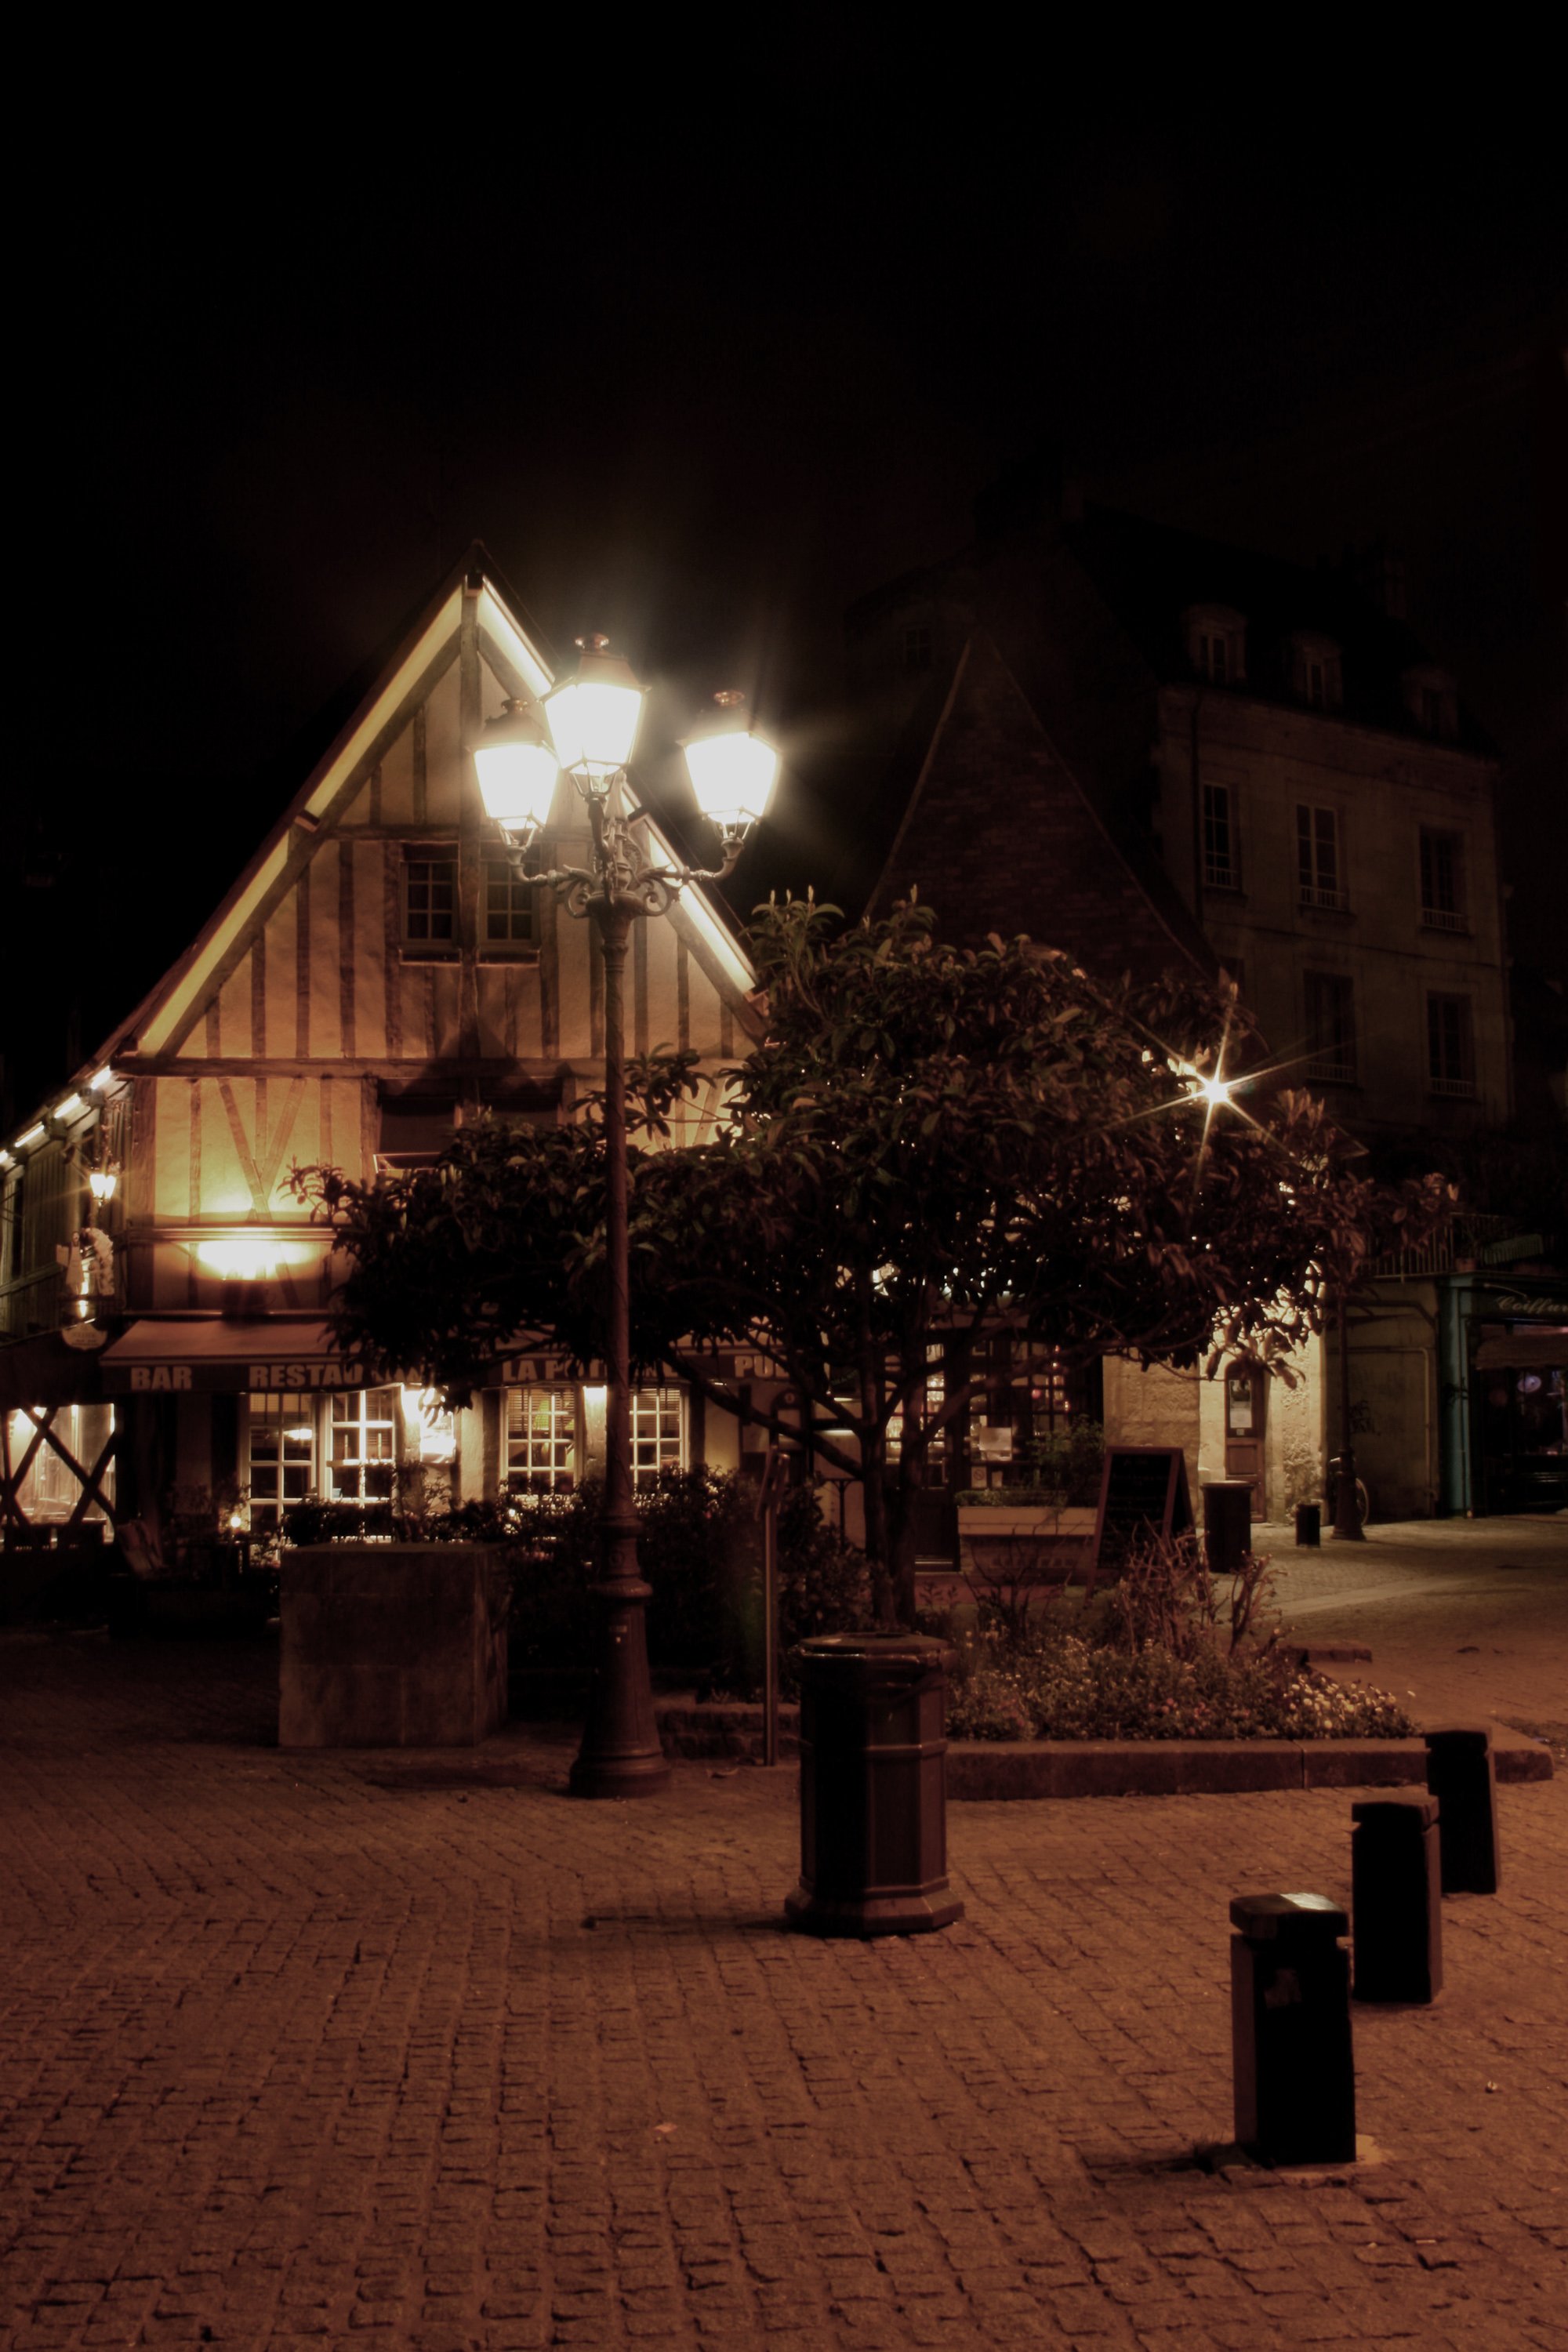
(378, 976)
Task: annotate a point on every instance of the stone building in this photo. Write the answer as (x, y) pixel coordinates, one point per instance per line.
(1270, 750)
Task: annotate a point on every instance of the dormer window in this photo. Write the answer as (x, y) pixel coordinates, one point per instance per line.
(1216, 644)
(1433, 701)
(1315, 671)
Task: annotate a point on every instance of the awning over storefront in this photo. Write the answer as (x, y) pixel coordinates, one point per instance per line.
(175, 1356)
(43, 1371)
(1523, 1352)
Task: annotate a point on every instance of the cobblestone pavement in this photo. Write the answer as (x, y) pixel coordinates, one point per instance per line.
(1465, 1618)
(402, 2050)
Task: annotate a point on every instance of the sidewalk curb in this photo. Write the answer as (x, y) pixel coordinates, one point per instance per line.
(1026, 1769)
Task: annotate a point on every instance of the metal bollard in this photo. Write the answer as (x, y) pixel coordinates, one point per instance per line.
(1227, 1524)
(1397, 1899)
(1290, 2029)
(873, 1786)
(1462, 1776)
(1310, 1525)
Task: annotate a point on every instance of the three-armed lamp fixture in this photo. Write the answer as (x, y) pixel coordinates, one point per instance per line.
(587, 726)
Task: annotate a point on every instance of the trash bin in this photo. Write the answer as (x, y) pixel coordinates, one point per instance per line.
(1290, 2029)
(873, 1786)
(1227, 1524)
(1310, 1525)
(1397, 1899)
(1462, 1776)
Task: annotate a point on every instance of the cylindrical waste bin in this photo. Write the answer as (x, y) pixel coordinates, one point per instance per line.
(1310, 1525)
(873, 1786)
(1290, 2029)
(1227, 1524)
(1397, 1899)
(1462, 1776)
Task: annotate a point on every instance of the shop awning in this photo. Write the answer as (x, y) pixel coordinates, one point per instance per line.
(1523, 1352)
(171, 1356)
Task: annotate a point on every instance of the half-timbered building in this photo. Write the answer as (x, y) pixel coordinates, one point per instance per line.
(377, 975)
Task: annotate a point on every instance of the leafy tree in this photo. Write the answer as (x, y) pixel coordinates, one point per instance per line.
(927, 1141)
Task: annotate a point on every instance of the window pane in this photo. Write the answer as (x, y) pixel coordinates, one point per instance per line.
(540, 1440)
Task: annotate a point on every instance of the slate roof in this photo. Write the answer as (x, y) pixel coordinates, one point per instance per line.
(996, 832)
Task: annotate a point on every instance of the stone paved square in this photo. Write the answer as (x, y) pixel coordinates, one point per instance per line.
(414, 2050)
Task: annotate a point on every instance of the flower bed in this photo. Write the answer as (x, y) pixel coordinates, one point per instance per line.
(1057, 1685)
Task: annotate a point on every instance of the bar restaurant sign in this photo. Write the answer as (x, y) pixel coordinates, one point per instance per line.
(171, 1377)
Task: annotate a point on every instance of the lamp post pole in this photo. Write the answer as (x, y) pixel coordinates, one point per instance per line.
(593, 724)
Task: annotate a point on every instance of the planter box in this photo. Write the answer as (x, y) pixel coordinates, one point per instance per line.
(392, 1645)
(1032, 1544)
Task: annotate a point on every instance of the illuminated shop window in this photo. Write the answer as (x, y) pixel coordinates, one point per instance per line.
(540, 1440)
(658, 1433)
(282, 1468)
(363, 1445)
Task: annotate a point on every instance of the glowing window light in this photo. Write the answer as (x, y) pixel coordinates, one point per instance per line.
(238, 1261)
(100, 1080)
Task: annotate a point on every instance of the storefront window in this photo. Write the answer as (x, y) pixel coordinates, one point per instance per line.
(540, 1440)
(658, 1433)
(282, 1468)
(363, 1445)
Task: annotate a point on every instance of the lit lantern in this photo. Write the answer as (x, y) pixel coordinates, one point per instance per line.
(517, 771)
(731, 770)
(593, 716)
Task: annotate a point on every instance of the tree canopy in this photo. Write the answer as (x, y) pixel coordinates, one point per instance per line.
(926, 1142)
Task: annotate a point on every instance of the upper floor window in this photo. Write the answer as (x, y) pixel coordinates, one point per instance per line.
(509, 904)
(1319, 857)
(1450, 1051)
(1216, 644)
(430, 898)
(1316, 672)
(1222, 847)
(1330, 1027)
(1433, 701)
(917, 647)
(1443, 880)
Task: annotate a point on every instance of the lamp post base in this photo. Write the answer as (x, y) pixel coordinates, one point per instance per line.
(620, 1755)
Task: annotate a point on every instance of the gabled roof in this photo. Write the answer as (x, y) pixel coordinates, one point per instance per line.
(982, 815)
(359, 726)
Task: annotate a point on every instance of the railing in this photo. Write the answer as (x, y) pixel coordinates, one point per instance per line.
(1316, 894)
(1452, 1089)
(1468, 1240)
(1442, 918)
(1340, 1072)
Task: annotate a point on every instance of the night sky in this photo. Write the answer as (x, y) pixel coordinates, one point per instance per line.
(698, 382)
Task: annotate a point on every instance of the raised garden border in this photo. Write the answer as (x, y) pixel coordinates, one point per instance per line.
(1024, 1768)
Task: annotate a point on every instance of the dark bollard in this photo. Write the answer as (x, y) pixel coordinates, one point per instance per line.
(1227, 1525)
(873, 1786)
(1461, 1775)
(1290, 2029)
(1397, 1899)
(1310, 1525)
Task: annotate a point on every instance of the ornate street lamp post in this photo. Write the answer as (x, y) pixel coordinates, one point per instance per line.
(592, 722)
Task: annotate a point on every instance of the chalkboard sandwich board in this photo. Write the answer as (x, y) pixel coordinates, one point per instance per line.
(1142, 1497)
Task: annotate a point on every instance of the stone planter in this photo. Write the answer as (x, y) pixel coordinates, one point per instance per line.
(392, 1645)
(1033, 1543)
